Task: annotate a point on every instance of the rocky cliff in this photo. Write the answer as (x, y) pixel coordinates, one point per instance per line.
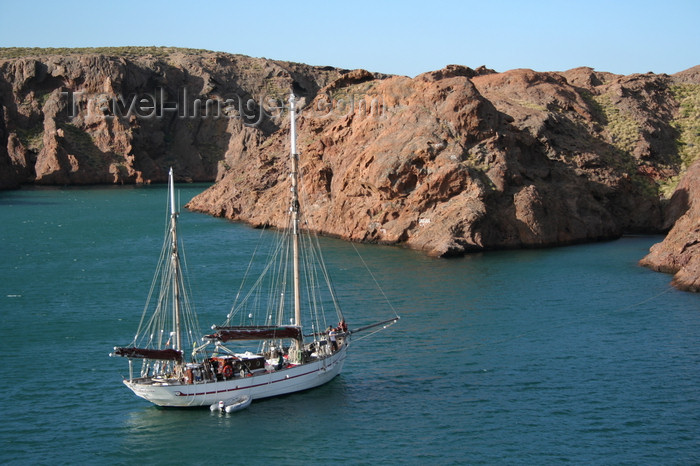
(451, 161)
(679, 253)
(124, 115)
(460, 160)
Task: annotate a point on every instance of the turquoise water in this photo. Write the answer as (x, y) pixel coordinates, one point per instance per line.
(573, 354)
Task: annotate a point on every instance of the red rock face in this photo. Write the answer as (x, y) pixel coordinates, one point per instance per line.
(91, 118)
(458, 160)
(679, 253)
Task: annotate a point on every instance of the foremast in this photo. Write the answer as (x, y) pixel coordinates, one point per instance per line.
(148, 343)
(295, 222)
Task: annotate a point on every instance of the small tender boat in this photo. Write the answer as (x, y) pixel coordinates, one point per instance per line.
(232, 405)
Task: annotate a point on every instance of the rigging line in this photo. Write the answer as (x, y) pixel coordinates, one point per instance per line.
(668, 289)
(165, 249)
(190, 306)
(315, 246)
(379, 329)
(312, 234)
(191, 321)
(253, 289)
(158, 273)
(318, 255)
(247, 272)
(279, 289)
(314, 286)
(313, 283)
(310, 281)
(375, 280)
(311, 254)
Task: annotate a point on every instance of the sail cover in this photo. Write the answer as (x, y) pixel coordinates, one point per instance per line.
(262, 332)
(147, 353)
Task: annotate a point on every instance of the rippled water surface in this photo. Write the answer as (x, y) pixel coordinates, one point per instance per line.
(573, 354)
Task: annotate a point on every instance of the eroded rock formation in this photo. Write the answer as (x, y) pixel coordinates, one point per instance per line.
(119, 117)
(459, 160)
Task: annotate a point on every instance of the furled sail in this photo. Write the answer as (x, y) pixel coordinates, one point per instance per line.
(256, 332)
(148, 353)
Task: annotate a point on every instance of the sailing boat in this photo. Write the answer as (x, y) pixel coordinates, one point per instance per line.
(180, 370)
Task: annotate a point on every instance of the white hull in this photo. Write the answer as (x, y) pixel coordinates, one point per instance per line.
(259, 385)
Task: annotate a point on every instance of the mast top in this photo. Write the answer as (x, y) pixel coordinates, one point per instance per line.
(293, 129)
(171, 189)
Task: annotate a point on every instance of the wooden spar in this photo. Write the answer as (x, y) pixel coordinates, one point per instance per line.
(175, 264)
(361, 329)
(295, 216)
(367, 327)
(295, 208)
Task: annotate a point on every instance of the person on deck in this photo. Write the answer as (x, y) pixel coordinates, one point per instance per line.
(331, 335)
(280, 361)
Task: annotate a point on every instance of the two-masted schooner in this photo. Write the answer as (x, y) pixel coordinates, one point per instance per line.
(275, 356)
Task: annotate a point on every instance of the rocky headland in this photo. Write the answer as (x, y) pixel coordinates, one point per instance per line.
(679, 253)
(448, 162)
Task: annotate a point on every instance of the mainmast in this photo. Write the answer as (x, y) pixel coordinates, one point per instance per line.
(295, 213)
(175, 264)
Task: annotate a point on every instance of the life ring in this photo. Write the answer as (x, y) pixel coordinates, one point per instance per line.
(227, 371)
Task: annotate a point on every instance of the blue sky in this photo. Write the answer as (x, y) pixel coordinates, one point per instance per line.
(403, 37)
